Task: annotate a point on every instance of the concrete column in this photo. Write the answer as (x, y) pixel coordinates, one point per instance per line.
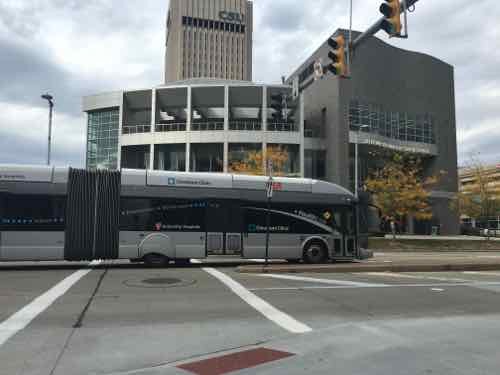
(188, 155)
(120, 132)
(151, 156)
(226, 108)
(189, 109)
(153, 123)
(226, 157)
(264, 108)
(153, 111)
(264, 128)
(302, 142)
(188, 128)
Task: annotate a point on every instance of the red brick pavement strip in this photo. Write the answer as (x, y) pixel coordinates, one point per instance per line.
(234, 362)
(420, 265)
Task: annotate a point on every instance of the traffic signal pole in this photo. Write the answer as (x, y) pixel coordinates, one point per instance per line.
(377, 26)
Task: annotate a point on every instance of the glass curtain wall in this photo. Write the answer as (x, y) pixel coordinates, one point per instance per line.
(102, 138)
(396, 125)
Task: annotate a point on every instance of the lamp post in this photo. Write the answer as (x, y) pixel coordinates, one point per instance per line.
(50, 100)
(356, 160)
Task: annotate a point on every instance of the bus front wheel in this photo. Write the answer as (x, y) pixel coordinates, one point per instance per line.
(315, 253)
(156, 260)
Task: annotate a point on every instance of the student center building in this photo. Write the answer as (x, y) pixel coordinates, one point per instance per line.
(396, 100)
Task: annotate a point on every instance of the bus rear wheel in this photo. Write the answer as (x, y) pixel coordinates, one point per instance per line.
(315, 253)
(155, 260)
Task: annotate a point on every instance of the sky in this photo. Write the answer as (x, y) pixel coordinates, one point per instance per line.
(73, 48)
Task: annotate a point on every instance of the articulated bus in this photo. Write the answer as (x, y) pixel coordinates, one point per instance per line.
(51, 213)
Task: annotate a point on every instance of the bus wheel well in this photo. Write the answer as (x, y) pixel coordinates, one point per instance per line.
(155, 260)
(315, 250)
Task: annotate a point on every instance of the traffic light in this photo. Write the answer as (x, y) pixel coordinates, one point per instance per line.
(277, 105)
(338, 65)
(391, 9)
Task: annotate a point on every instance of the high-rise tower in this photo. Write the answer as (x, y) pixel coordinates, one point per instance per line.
(209, 39)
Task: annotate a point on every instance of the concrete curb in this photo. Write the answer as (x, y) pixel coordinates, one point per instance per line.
(360, 267)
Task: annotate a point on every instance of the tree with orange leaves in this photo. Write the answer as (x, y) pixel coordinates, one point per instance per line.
(253, 163)
(400, 190)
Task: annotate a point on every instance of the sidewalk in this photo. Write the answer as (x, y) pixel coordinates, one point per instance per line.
(393, 262)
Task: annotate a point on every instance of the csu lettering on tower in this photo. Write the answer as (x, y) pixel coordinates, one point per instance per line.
(231, 16)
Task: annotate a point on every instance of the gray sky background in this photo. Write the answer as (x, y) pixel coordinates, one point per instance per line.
(73, 48)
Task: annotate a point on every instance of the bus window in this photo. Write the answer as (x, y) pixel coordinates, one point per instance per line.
(138, 214)
(3, 217)
(33, 213)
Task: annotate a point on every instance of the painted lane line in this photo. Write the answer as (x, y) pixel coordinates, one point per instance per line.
(406, 276)
(380, 286)
(320, 281)
(482, 273)
(270, 312)
(20, 320)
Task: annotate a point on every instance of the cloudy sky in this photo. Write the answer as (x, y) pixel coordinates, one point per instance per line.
(73, 48)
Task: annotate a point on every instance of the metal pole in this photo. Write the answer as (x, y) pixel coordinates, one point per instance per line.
(350, 24)
(268, 224)
(51, 105)
(356, 172)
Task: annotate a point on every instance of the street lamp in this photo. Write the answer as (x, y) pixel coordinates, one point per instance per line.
(356, 161)
(49, 99)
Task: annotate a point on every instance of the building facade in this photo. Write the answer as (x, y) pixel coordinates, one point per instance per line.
(395, 101)
(209, 39)
(197, 125)
(469, 184)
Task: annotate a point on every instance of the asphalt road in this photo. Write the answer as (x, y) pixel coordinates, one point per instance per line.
(119, 319)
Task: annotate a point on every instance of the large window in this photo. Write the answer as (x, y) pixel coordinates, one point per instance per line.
(32, 212)
(207, 157)
(135, 157)
(102, 139)
(286, 159)
(402, 126)
(170, 157)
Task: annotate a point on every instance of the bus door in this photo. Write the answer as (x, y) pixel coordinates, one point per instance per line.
(350, 241)
(223, 222)
(344, 232)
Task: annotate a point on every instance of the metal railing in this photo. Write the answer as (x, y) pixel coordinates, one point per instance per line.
(207, 126)
(242, 125)
(172, 127)
(282, 127)
(136, 129)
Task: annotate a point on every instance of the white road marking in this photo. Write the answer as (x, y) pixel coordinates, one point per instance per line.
(320, 281)
(381, 286)
(270, 312)
(407, 276)
(20, 320)
(437, 290)
(482, 273)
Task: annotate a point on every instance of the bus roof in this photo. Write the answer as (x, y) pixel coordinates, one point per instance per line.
(129, 177)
